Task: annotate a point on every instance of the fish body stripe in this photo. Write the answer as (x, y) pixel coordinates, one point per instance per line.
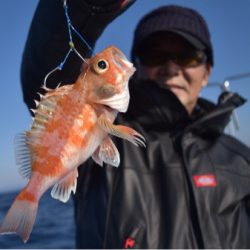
(62, 140)
(27, 196)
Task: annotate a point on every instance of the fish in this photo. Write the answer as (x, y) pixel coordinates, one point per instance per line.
(71, 123)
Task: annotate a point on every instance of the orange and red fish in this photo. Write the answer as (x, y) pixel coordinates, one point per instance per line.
(71, 123)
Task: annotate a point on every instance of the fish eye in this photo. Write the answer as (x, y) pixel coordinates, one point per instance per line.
(101, 66)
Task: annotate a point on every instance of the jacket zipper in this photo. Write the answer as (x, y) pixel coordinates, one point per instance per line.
(193, 211)
(110, 199)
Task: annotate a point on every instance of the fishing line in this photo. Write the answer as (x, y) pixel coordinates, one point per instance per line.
(71, 27)
(71, 44)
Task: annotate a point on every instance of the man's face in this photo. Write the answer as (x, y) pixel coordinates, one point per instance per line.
(184, 78)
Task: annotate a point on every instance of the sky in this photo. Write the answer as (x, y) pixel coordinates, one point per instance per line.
(228, 21)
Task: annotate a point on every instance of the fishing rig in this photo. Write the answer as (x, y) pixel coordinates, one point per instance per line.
(72, 47)
(225, 86)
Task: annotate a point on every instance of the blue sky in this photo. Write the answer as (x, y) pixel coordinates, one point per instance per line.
(228, 21)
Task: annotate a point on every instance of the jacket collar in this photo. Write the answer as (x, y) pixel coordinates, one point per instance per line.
(211, 119)
(156, 108)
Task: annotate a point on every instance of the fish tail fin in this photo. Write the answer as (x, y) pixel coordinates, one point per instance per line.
(21, 216)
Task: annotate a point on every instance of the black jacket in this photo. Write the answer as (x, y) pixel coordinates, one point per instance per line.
(189, 188)
(154, 199)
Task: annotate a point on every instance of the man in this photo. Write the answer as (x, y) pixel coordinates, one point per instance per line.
(190, 187)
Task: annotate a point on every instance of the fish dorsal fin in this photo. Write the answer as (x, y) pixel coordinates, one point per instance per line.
(107, 153)
(45, 108)
(62, 190)
(23, 155)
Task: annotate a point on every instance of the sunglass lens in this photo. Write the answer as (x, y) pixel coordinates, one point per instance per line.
(188, 59)
(192, 59)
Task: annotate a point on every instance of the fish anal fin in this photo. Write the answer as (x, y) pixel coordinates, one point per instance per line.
(62, 190)
(97, 159)
(107, 153)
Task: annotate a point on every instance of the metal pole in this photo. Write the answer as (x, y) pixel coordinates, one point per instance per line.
(225, 86)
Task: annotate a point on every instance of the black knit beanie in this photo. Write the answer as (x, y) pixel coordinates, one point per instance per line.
(186, 22)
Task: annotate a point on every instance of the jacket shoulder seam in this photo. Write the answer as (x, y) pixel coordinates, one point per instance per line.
(236, 146)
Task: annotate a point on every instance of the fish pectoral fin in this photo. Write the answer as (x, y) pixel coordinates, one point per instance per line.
(121, 131)
(23, 155)
(107, 153)
(62, 190)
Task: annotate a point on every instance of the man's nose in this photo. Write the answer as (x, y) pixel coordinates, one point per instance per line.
(170, 68)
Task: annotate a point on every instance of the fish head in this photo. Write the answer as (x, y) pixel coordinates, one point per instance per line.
(108, 75)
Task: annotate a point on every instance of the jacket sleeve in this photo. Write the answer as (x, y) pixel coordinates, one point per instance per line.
(48, 40)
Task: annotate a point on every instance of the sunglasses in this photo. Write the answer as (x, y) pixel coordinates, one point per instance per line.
(184, 59)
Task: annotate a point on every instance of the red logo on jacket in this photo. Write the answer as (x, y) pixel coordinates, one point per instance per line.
(129, 243)
(205, 180)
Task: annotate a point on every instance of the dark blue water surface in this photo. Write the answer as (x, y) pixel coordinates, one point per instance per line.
(53, 228)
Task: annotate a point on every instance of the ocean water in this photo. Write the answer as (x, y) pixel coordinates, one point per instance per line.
(53, 228)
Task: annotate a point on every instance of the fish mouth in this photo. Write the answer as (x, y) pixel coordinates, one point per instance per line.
(131, 70)
(123, 63)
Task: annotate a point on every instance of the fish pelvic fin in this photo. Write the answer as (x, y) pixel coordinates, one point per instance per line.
(62, 190)
(20, 217)
(121, 131)
(107, 153)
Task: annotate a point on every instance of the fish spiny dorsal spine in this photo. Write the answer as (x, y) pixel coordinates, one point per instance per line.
(45, 108)
(43, 112)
